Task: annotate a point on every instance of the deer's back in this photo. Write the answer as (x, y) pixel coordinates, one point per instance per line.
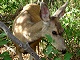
(29, 16)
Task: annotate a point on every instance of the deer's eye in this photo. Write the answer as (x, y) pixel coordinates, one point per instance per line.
(54, 32)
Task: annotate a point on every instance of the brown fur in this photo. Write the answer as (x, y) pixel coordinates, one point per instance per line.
(28, 26)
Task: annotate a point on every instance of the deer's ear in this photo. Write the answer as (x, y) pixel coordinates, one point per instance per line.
(60, 12)
(44, 11)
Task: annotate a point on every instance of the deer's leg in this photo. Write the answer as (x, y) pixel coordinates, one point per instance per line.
(33, 46)
(19, 54)
(31, 57)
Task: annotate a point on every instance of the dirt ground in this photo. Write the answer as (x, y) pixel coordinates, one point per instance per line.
(25, 56)
(13, 54)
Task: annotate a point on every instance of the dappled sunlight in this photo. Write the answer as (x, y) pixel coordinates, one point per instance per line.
(20, 19)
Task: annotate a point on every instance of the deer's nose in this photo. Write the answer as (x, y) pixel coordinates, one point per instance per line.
(64, 51)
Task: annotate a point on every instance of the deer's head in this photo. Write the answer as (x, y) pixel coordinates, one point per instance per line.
(53, 27)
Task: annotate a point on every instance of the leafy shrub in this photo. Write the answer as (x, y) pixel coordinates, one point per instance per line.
(10, 6)
(2, 39)
(5, 55)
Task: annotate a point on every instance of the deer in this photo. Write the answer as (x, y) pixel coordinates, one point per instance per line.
(34, 21)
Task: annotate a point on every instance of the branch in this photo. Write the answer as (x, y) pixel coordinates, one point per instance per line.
(26, 46)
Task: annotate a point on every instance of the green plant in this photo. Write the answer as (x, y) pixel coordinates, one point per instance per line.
(71, 24)
(3, 39)
(5, 55)
(10, 6)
